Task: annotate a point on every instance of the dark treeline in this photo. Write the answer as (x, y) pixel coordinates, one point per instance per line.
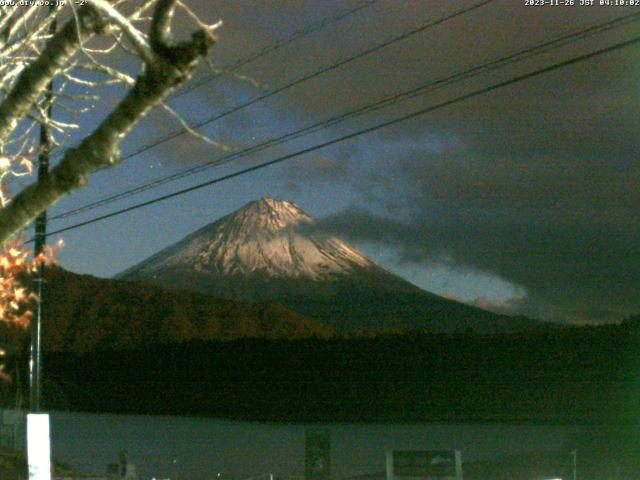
(573, 375)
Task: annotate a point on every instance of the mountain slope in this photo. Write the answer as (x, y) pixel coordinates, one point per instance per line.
(271, 250)
(84, 313)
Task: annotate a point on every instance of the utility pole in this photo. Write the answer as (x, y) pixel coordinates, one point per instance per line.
(45, 146)
(574, 455)
(38, 429)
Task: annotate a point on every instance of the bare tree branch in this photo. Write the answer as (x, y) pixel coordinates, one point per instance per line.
(135, 37)
(35, 78)
(161, 25)
(171, 65)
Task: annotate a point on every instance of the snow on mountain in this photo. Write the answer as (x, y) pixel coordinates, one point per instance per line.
(263, 236)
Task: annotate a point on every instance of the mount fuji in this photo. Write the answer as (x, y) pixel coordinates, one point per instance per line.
(269, 250)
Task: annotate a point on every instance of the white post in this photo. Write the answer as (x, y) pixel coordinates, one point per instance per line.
(390, 472)
(458, 464)
(38, 446)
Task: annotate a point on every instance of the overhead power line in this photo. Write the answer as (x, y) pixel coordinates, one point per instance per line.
(312, 75)
(308, 30)
(403, 118)
(315, 74)
(537, 49)
(297, 35)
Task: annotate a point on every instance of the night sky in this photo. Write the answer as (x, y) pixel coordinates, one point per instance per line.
(522, 200)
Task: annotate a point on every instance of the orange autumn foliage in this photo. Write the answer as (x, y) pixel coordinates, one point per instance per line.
(15, 262)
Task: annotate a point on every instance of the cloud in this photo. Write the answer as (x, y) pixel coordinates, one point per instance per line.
(537, 183)
(506, 306)
(576, 271)
(318, 168)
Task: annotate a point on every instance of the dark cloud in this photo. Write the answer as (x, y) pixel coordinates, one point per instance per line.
(579, 270)
(537, 183)
(318, 167)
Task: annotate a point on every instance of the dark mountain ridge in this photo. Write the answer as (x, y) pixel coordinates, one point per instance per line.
(83, 313)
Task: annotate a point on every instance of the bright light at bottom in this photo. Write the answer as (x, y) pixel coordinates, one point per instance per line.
(38, 447)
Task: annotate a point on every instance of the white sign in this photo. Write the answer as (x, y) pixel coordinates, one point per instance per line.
(38, 446)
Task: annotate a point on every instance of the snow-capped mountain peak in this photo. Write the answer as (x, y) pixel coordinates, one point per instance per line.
(266, 237)
(268, 215)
